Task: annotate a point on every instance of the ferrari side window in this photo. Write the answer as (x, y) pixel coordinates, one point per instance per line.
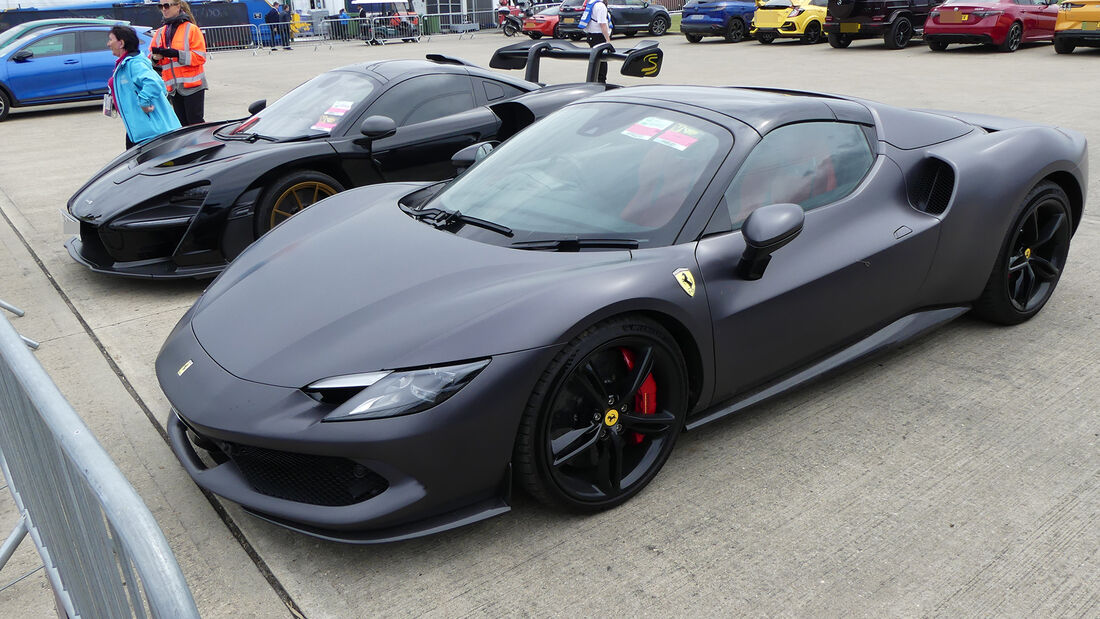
(809, 164)
(425, 98)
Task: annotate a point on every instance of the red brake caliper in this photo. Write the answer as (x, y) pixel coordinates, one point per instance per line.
(645, 401)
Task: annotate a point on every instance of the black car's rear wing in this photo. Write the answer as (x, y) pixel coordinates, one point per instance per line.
(642, 60)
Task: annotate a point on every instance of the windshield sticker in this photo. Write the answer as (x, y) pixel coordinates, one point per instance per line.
(646, 128)
(679, 136)
(332, 116)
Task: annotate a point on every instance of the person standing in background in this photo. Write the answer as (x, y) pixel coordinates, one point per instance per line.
(136, 91)
(597, 26)
(179, 51)
(272, 19)
(284, 24)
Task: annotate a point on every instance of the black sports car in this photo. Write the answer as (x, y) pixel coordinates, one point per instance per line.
(187, 203)
(627, 267)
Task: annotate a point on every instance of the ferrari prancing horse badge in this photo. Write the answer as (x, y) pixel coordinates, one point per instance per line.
(686, 280)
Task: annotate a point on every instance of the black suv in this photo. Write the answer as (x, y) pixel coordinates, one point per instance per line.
(627, 17)
(896, 21)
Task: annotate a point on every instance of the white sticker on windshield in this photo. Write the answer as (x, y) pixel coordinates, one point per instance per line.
(679, 136)
(332, 115)
(646, 128)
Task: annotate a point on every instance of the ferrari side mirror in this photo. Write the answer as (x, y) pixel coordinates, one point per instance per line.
(766, 230)
(378, 127)
(471, 154)
(257, 107)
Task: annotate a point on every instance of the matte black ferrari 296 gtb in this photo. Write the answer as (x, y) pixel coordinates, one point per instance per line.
(393, 360)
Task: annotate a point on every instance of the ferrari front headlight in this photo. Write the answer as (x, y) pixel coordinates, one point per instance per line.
(375, 395)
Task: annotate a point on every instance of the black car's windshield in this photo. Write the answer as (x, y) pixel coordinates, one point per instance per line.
(593, 171)
(314, 108)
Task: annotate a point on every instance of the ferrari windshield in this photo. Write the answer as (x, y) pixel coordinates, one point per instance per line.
(314, 108)
(593, 171)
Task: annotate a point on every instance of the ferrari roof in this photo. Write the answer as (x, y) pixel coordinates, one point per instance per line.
(761, 109)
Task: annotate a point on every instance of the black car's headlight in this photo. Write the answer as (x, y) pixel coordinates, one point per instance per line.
(375, 395)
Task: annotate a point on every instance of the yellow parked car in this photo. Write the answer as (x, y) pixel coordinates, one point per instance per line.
(791, 18)
(1078, 25)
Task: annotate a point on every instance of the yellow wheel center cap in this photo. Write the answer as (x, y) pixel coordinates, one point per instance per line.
(611, 418)
(1027, 253)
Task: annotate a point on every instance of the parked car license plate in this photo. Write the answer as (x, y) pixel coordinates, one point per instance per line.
(1089, 25)
(569, 20)
(849, 27)
(69, 224)
(952, 17)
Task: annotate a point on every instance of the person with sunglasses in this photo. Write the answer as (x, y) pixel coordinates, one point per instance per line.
(179, 51)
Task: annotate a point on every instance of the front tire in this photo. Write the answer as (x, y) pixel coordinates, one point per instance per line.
(1012, 39)
(693, 38)
(535, 35)
(558, 33)
(765, 38)
(604, 417)
(659, 26)
(290, 195)
(899, 33)
(812, 33)
(5, 105)
(1031, 258)
(937, 46)
(735, 32)
(839, 41)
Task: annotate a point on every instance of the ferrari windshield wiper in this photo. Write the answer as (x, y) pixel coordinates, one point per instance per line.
(441, 218)
(576, 244)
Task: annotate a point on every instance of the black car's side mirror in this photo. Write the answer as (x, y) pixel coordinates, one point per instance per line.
(257, 107)
(767, 229)
(471, 154)
(22, 55)
(378, 127)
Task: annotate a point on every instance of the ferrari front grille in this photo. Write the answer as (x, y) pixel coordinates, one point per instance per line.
(303, 478)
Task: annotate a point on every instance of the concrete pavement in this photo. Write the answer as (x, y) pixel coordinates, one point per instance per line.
(958, 476)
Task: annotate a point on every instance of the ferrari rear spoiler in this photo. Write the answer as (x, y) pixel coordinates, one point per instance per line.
(642, 60)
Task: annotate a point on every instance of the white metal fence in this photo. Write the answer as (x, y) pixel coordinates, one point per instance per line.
(102, 551)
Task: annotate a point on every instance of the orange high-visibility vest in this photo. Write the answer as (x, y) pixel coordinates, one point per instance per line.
(185, 74)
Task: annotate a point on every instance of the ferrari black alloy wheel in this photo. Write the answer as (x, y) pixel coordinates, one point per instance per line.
(292, 194)
(1031, 259)
(604, 417)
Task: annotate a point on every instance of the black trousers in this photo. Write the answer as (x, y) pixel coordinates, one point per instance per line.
(189, 108)
(594, 39)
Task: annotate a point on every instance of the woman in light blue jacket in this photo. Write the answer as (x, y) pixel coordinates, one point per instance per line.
(136, 91)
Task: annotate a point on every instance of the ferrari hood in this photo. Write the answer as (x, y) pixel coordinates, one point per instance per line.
(354, 285)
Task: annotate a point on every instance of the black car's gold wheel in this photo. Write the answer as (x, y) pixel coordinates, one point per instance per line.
(604, 417)
(291, 195)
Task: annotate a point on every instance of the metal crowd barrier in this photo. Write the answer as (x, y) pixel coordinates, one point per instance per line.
(395, 28)
(223, 38)
(102, 551)
(274, 35)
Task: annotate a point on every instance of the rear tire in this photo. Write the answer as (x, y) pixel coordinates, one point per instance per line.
(693, 38)
(765, 38)
(812, 34)
(1032, 257)
(659, 26)
(509, 30)
(557, 33)
(899, 34)
(839, 41)
(292, 194)
(1061, 47)
(1012, 39)
(735, 31)
(937, 46)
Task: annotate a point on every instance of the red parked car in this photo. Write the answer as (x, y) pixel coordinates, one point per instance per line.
(1002, 23)
(544, 22)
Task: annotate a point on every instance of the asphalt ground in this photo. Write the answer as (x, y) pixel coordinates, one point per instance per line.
(959, 475)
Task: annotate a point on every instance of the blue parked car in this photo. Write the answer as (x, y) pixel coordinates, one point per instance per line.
(724, 18)
(57, 65)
